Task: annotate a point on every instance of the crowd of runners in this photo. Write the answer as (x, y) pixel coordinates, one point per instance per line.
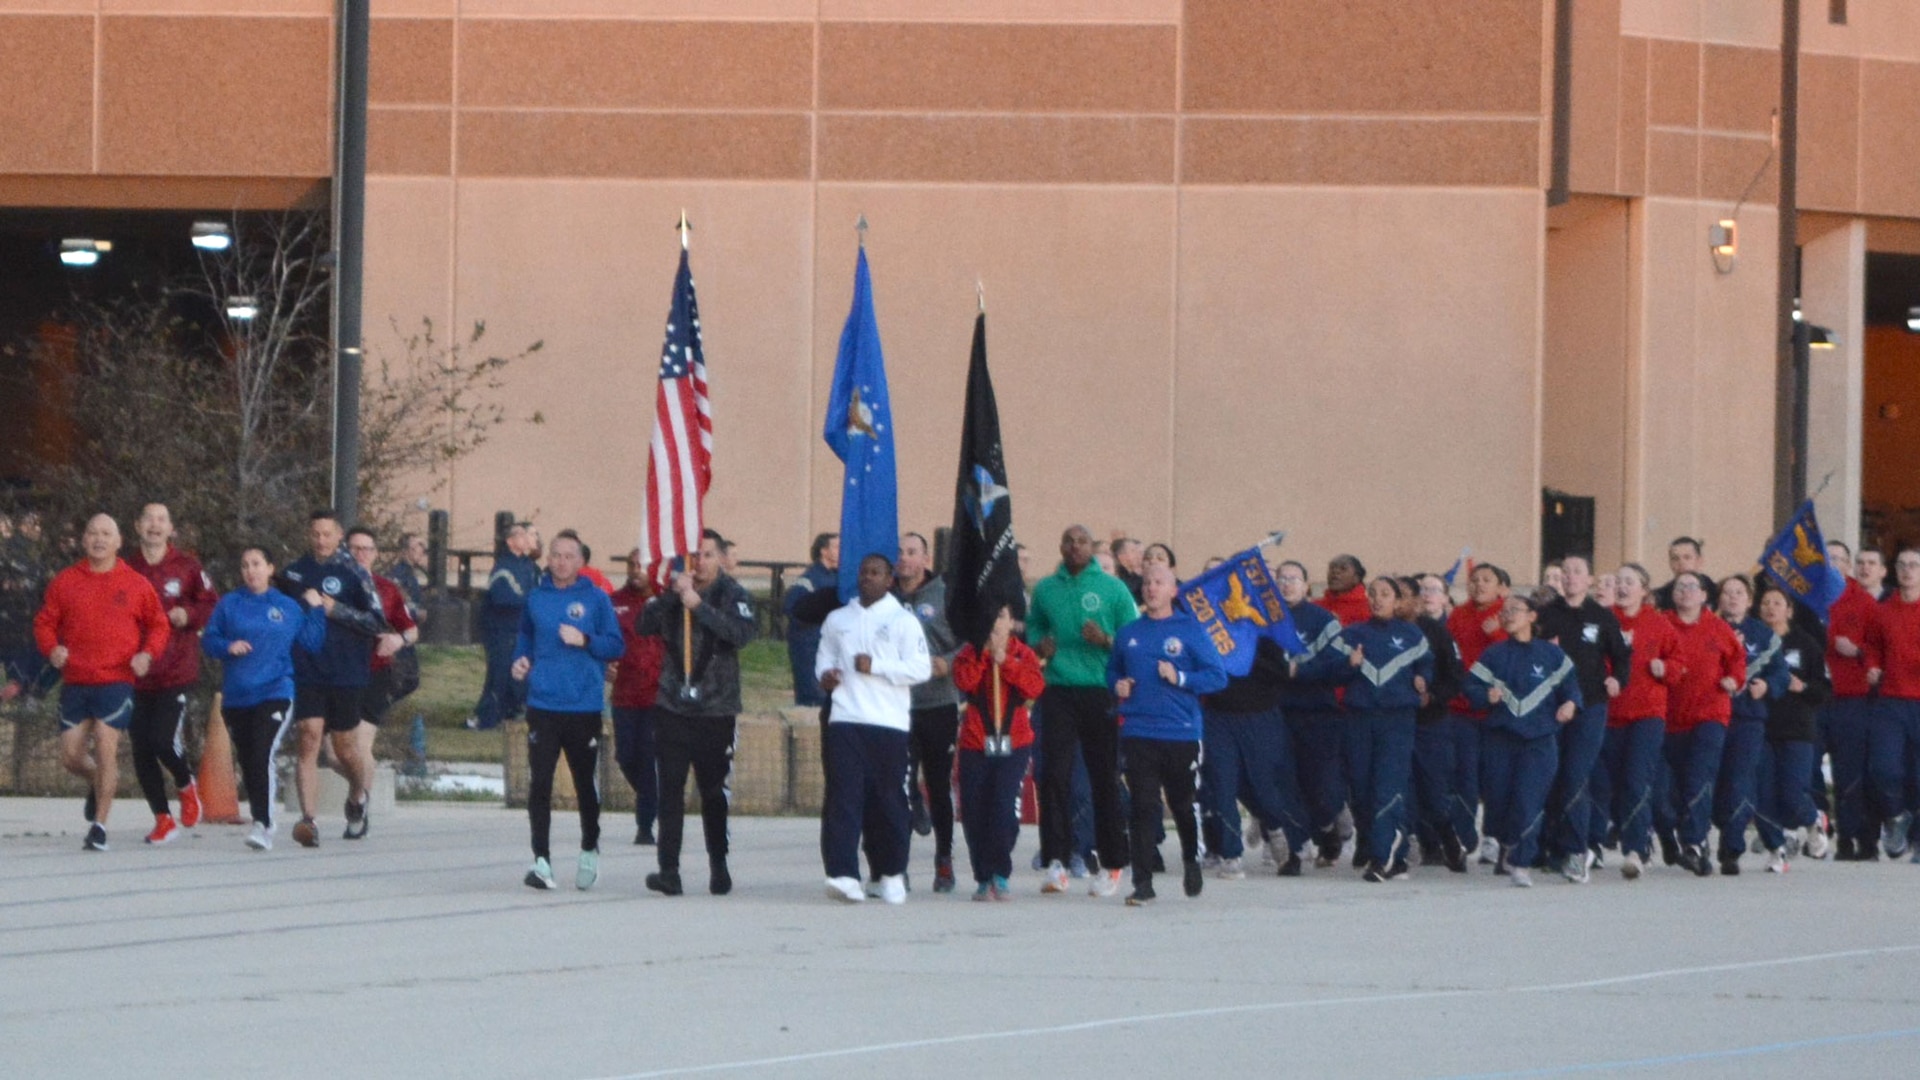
(1587, 723)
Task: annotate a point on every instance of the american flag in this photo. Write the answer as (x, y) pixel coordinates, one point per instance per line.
(680, 459)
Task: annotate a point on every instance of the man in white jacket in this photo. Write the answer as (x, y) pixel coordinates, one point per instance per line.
(872, 652)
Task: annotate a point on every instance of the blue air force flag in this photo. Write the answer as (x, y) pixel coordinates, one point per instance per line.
(1797, 560)
(859, 428)
(1238, 603)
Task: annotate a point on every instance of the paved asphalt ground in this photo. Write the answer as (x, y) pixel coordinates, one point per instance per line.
(418, 953)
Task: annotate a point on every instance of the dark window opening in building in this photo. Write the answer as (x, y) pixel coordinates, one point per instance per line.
(1837, 12)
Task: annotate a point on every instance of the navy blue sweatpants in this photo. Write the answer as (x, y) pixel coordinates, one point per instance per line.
(1518, 773)
(1693, 767)
(866, 788)
(1249, 757)
(1570, 804)
(1380, 765)
(1736, 794)
(1893, 757)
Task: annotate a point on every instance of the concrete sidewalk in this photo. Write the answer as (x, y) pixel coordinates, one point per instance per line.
(418, 953)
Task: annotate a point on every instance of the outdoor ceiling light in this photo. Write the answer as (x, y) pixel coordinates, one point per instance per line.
(82, 252)
(212, 235)
(242, 308)
(1913, 319)
(1819, 337)
(1724, 238)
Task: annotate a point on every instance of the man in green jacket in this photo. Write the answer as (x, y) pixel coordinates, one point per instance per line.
(1071, 623)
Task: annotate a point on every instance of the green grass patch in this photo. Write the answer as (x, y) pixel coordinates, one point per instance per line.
(451, 677)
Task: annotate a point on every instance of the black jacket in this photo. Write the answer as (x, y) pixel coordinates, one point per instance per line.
(1591, 638)
(1790, 717)
(1448, 673)
(722, 625)
(1259, 689)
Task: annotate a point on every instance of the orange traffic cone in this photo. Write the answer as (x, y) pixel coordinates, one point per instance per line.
(219, 798)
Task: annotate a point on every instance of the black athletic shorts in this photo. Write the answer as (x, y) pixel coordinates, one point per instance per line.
(375, 699)
(339, 706)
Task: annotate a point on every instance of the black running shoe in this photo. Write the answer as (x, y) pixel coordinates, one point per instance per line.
(357, 820)
(1291, 868)
(1193, 879)
(1397, 870)
(1454, 854)
(666, 882)
(719, 882)
(96, 838)
(1375, 874)
(1670, 851)
(1141, 896)
(643, 837)
(943, 875)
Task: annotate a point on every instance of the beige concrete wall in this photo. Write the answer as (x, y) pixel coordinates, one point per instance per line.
(1360, 367)
(1583, 436)
(1833, 283)
(1701, 363)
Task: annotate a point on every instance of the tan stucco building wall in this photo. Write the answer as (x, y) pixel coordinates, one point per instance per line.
(1248, 264)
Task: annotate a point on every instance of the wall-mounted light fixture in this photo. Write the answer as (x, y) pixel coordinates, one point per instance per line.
(81, 253)
(212, 235)
(1913, 319)
(242, 309)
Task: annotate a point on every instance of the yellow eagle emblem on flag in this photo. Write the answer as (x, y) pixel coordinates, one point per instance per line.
(1804, 551)
(1237, 608)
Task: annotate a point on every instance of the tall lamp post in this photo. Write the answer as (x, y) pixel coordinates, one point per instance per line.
(1790, 356)
(349, 243)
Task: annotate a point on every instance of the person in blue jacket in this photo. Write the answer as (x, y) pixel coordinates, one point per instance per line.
(568, 635)
(1160, 665)
(253, 631)
(1312, 709)
(822, 575)
(508, 586)
(1736, 796)
(1387, 667)
(1531, 688)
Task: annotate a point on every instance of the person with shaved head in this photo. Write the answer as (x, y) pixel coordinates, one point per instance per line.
(1070, 624)
(101, 627)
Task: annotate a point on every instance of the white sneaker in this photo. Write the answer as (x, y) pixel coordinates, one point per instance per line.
(1816, 844)
(1522, 877)
(1579, 868)
(846, 888)
(1630, 865)
(1255, 836)
(893, 889)
(1489, 851)
(1105, 883)
(1778, 864)
(261, 838)
(1210, 861)
(1231, 870)
(1055, 880)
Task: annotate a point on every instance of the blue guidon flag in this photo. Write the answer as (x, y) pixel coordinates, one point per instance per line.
(1238, 603)
(1797, 560)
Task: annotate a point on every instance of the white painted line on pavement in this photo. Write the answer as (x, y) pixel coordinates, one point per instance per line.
(1319, 1003)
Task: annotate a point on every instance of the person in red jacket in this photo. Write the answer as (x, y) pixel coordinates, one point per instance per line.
(100, 627)
(1709, 665)
(160, 697)
(380, 696)
(1637, 718)
(1845, 718)
(996, 742)
(1474, 626)
(1346, 592)
(636, 683)
(1893, 734)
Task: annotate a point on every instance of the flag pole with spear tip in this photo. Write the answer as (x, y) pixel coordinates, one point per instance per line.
(686, 613)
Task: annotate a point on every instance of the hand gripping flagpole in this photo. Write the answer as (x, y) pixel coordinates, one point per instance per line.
(686, 613)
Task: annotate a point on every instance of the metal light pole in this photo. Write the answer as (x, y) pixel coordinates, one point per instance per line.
(349, 242)
(1790, 362)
